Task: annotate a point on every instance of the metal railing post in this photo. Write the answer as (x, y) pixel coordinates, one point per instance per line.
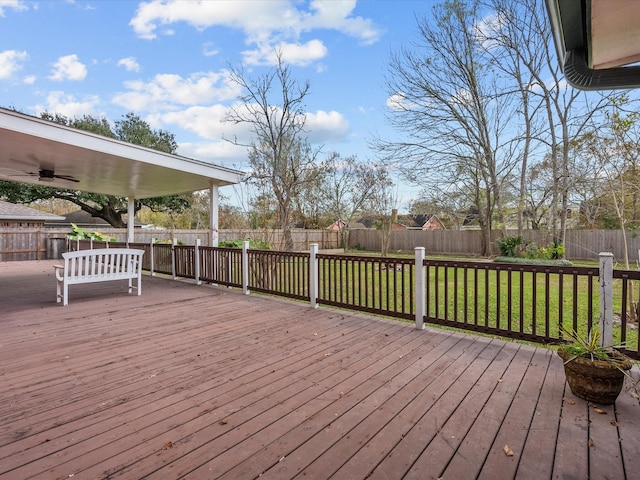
(245, 267)
(151, 259)
(196, 259)
(313, 275)
(420, 288)
(173, 258)
(606, 299)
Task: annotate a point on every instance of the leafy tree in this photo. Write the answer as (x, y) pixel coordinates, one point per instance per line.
(130, 128)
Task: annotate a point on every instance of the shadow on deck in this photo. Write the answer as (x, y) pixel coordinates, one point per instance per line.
(204, 382)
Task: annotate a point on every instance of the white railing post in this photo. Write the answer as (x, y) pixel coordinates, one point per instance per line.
(606, 299)
(196, 258)
(151, 250)
(245, 267)
(173, 258)
(313, 275)
(420, 288)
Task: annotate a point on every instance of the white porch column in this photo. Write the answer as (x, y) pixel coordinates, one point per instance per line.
(131, 211)
(213, 214)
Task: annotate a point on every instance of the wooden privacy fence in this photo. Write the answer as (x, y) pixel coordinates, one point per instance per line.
(580, 244)
(39, 243)
(527, 302)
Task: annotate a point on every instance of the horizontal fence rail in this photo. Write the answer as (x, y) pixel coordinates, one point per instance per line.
(520, 301)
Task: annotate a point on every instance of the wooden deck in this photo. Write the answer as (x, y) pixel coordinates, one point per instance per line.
(201, 382)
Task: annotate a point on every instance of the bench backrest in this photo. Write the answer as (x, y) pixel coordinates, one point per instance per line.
(103, 262)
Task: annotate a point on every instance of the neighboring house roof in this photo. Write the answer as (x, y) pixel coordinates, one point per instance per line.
(11, 211)
(80, 217)
(339, 225)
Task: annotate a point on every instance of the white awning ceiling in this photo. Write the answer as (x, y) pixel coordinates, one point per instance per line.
(36, 151)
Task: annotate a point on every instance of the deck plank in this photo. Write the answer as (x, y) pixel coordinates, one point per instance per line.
(191, 381)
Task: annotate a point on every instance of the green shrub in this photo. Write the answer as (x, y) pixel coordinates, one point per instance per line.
(511, 246)
(78, 233)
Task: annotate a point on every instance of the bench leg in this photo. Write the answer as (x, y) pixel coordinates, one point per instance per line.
(65, 295)
(58, 291)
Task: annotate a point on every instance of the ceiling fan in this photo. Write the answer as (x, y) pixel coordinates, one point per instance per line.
(45, 175)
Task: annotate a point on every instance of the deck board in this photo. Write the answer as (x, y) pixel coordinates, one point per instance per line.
(196, 382)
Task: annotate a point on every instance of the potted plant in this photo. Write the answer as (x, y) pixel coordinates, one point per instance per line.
(594, 373)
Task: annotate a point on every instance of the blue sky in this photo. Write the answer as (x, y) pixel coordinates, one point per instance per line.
(168, 62)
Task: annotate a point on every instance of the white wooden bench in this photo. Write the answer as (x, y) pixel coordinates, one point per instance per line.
(98, 265)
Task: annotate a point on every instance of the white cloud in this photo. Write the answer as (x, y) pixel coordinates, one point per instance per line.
(266, 24)
(220, 152)
(206, 121)
(29, 80)
(16, 5)
(292, 53)
(10, 63)
(326, 126)
(68, 68)
(168, 91)
(130, 64)
(397, 102)
(209, 49)
(68, 105)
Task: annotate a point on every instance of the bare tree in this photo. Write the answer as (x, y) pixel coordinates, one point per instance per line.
(272, 104)
(452, 112)
(347, 187)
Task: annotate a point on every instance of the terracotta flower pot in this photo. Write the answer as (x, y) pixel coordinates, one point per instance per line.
(597, 381)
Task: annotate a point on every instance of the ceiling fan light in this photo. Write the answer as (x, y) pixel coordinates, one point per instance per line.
(46, 179)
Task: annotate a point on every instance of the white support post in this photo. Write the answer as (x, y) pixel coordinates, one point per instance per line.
(313, 275)
(213, 214)
(91, 244)
(173, 258)
(151, 250)
(420, 288)
(245, 267)
(197, 260)
(606, 299)
(131, 213)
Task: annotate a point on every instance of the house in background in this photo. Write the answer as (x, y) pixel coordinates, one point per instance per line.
(21, 235)
(432, 223)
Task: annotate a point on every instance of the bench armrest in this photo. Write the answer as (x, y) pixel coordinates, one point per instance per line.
(58, 269)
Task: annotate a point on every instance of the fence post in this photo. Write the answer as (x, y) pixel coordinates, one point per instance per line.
(313, 275)
(420, 288)
(197, 261)
(606, 299)
(245, 267)
(153, 241)
(173, 258)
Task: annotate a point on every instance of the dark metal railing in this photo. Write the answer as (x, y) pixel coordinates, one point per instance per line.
(369, 284)
(526, 302)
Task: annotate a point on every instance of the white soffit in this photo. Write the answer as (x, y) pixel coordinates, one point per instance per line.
(99, 164)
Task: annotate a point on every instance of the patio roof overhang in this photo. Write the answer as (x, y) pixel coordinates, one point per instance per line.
(40, 152)
(597, 42)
